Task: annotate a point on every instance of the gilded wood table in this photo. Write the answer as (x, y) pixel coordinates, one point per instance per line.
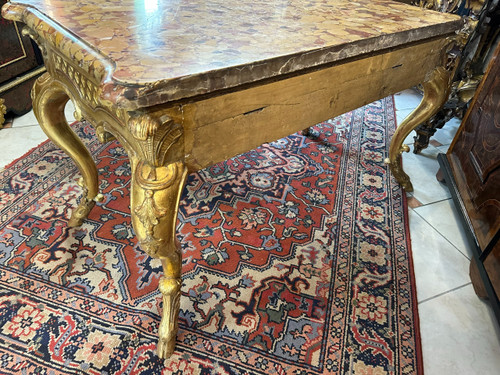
(186, 84)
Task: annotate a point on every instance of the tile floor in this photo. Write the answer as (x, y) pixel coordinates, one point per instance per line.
(459, 332)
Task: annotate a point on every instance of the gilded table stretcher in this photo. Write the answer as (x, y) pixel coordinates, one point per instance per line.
(186, 84)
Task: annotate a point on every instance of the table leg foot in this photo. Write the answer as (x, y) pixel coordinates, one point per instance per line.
(81, 212)
(436, 90)
(398, 172)
(49, 99)
(171, 291)
(84, 206)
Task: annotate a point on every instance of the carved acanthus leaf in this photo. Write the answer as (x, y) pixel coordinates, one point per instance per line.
(148, 213)
(156, 134)
(144, 126)
(167, 140)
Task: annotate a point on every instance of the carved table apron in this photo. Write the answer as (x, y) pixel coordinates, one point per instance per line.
(184, 86)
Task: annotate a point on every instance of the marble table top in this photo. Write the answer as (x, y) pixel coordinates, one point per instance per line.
(154, 51)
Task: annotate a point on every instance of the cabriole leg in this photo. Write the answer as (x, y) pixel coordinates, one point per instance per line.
(436, 90)
(155, 200)
(49, 100)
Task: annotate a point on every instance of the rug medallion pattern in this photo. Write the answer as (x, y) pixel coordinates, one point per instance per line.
(295, 261)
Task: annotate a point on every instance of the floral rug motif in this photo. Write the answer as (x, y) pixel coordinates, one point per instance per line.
(296, 260)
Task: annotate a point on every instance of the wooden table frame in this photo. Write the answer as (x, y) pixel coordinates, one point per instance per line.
(165, 142)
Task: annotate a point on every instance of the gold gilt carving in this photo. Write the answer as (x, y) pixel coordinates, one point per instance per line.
(170, 288)
(449, 6)
(436, 90)
(155, 200)
(440, 5)
(49, 99)
(87, 88)
(84, 206)
(152, 178)
(102, 135)
(466, 88)
(143, 126)
(158, 176)
(458, 42)
(156, 191)
(156, 135)
(156, 147)
(3, 111)
(149, 213)
(38, 40)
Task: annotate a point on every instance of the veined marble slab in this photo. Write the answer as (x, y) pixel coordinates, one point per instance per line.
(152, 51)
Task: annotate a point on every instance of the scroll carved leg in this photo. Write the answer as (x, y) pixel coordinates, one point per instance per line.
(49, 99)
(155, 197)
(436, 90)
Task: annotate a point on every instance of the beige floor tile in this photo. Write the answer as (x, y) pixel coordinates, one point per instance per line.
(407, 99)
(28, 119)
(69, 111)
(16, 141)
(422, 169)
(459, 335)
(444, 218)
(446, 134)
(439, 266)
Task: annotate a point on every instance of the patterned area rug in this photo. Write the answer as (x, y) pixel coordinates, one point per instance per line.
(296, 260)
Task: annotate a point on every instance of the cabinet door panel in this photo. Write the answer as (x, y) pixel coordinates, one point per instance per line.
(475, 156)
(486, 144)
(16, 51)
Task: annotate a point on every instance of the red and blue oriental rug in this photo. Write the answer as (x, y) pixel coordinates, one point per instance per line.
(296, 260)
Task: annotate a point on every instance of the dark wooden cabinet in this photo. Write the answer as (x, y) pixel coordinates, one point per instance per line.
(20, 65)
(472, 171)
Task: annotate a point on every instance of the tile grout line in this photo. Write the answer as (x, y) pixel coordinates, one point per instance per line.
(443, 293)
(438, 201)
(441, 234)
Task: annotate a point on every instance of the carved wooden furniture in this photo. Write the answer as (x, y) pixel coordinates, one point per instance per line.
(472, 171)
(483, 19)
(20, 65)
(183, 85)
